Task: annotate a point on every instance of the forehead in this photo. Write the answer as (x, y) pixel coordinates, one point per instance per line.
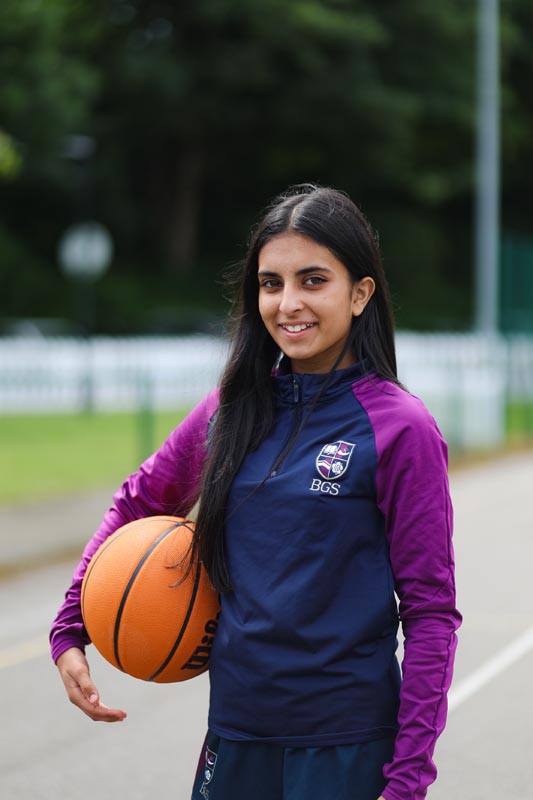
(292, 251)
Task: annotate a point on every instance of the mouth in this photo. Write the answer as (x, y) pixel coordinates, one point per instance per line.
(298, 328)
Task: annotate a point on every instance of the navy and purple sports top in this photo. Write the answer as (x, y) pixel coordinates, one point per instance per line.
(319, 546)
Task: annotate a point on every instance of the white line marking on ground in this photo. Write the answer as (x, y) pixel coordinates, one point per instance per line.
(24, 651)
(490, 670)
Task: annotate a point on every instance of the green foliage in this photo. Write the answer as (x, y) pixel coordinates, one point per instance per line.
(517, 115)
(10, 158)
(48, 88)
(202, 111)
(28, 286)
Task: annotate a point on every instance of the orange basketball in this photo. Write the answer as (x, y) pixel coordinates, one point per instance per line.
(139, 613)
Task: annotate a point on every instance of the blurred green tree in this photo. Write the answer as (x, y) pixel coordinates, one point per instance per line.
(240, 98)
(46, 93)
(10, 158)
(47, 87)
(517, 115)
(202, 110)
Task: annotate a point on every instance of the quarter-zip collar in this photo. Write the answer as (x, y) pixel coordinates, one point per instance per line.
(293, 388)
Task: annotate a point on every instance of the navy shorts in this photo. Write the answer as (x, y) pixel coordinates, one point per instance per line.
(248, 770)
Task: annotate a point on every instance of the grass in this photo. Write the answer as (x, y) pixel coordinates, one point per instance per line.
(52, 455)
(519, 421)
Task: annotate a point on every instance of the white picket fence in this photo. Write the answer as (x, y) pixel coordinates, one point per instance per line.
(464, 379)
(109, 374)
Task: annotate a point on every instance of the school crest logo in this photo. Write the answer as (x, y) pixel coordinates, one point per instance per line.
(210, 764)
(333, 459)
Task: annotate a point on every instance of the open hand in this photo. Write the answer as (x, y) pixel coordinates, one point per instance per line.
(82, 692)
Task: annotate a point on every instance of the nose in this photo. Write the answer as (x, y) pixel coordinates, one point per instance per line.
(291, 300)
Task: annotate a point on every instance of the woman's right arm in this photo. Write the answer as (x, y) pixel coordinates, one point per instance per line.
(167, 483)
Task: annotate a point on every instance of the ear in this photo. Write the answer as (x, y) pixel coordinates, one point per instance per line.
(361, 293)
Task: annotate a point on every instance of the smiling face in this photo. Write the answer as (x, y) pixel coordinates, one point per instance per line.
(307, 300)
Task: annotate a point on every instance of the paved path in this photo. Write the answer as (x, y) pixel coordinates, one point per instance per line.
(43, 532)
(485, 753)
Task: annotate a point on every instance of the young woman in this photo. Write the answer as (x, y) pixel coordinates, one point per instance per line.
(323, 494)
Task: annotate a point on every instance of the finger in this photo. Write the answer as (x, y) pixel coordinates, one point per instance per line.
(98, 712)
(103, 713)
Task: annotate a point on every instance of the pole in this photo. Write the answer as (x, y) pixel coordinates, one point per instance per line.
(487, 169)
(145, 416)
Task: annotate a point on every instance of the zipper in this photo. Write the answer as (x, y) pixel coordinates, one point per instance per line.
(295, 390)
(297, 398)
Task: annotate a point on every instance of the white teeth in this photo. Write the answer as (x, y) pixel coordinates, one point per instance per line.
(296, 328)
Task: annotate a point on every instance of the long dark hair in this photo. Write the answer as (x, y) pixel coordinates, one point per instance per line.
(246, 409)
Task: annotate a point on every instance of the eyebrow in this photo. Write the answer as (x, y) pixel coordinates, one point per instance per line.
(304, 271)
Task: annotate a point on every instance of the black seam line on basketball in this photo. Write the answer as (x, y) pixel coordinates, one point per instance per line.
(104, 545)
(168, 659)
(128, 589)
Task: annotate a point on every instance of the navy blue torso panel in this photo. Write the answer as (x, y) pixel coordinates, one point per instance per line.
(305, 649)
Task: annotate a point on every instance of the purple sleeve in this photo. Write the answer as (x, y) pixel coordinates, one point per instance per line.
(413, 494)
(167, 483)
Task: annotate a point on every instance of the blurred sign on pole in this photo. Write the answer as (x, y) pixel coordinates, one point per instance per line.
(85, 251)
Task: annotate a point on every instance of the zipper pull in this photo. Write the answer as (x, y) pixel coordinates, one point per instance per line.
(295, 390)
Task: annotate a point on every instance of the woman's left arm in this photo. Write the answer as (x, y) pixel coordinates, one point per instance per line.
(413, 493)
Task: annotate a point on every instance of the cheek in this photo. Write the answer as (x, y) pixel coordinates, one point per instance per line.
(265, 309)
(335, 309)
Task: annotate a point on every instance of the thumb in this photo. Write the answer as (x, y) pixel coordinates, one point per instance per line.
(75, 672)
(89, 690)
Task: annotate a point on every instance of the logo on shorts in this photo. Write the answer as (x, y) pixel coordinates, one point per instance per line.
(333, 459)
(209, 769)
